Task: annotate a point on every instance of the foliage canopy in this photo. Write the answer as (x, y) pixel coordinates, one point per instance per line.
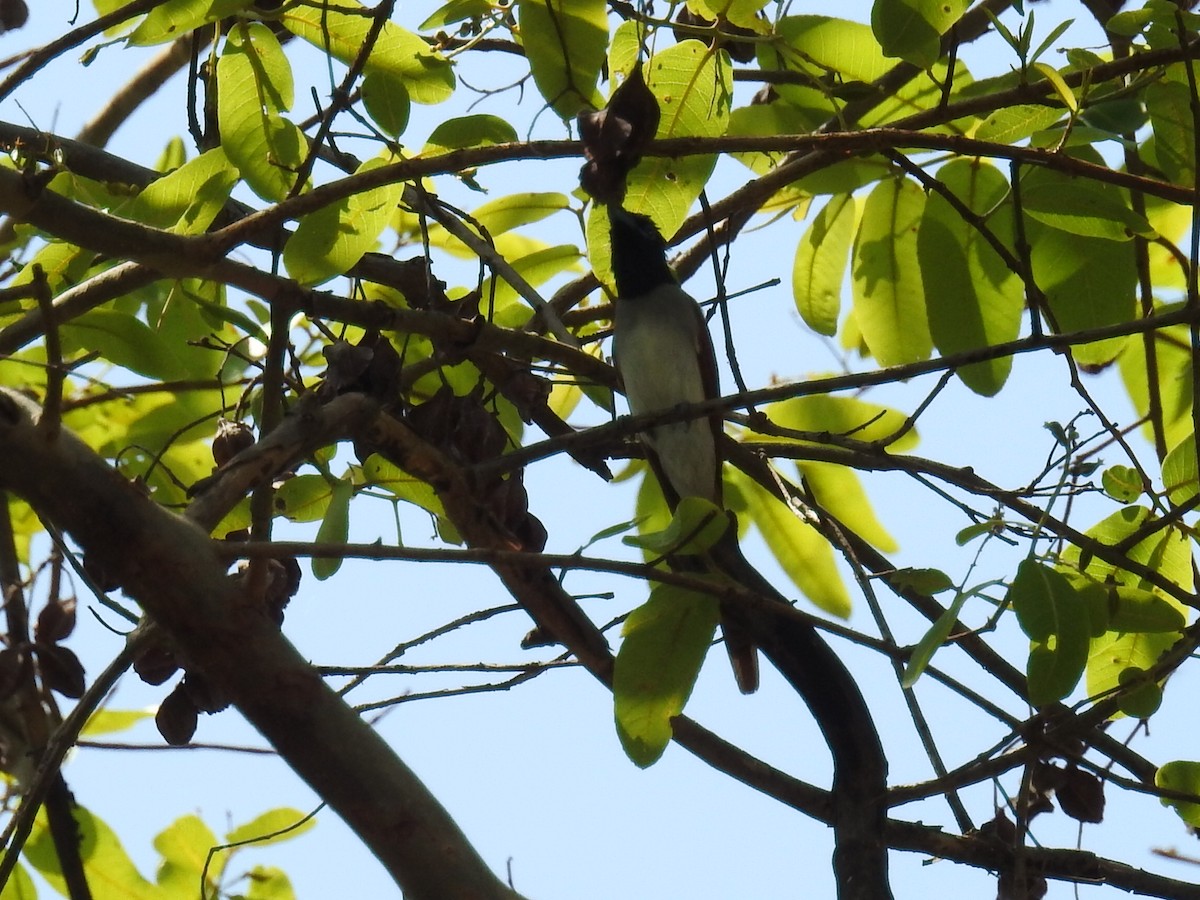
(277, 315)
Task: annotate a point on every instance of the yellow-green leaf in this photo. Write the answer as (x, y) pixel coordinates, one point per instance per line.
(799, 548)
(1060, 86)
(342, 29)
(843, 416)
(187, 200)
(666, 640)
(514, 210)
(696, 525)
(1013, 123)
(912, 29)
(175, 18)
(1089, 282)
(251, 91)
(694, 88)
(1181, 478)
(565, 42)
(386, 99)
(973, 298)
(469, 131)
(889, 299)
(110, 721)
(272, 827)
(836, 45)
(107, 862)
(1182, 776)
(839, 490)
(125, 341)
(19, 886)
(333, 239)
(335, 528)
(820, 264)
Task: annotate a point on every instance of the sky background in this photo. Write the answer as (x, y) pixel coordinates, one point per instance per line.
(535, 776)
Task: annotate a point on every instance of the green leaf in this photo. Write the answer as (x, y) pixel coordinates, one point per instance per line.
(1182, 776)
(333, 239)
(514, 210)
(1088, 209)
(304, 498)
(767, 119)
(666, 640)
(381, 473)
(269, 883)
(694, 89)
(272, 827)
(1134, 610)
(1060, 86)
(1122, 483)
(184, 846)
(342, 29)
(1053, 615)
(1089, 283)
(187, 200)
(1172, 378)
(176, 18)
(820, 264)
(1014, 123)
(696, 525)
(1181, 480)
(1117, 659)
(469, 131)
(455, 11)
(272, 72)
(839, 490)
(923, 581)
(19, 886)
(1129, 22)
(386, 99)
(843, 416)
(111, 872)
(799, 548)
(1169, 104)
(931, 641)
(335, 529)
(973, 298)
(565, 42)
(1166, 549)
(252, 89)
(124, 341)
(889, 299)
(912, 29)
(835, 45)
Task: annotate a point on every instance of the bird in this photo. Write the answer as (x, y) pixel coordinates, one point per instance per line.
(664, 355)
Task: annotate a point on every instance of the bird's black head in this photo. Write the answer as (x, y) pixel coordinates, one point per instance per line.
(639, 253)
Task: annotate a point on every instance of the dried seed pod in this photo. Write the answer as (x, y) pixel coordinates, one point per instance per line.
(55, 622)
(155, 664)
(1081, 795)
(231, 439)
(177, 717)
(60, 669)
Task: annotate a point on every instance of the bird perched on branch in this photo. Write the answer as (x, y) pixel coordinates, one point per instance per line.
(663, 351)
